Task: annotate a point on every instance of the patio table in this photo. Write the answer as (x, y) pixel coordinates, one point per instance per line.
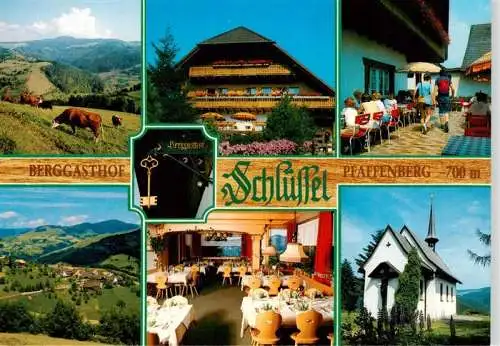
(170, 323)
(468, 146)
(288, 313)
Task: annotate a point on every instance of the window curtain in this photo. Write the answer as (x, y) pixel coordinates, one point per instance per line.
(246, 246)
(290, 230)
(182, 247)
(324, 245)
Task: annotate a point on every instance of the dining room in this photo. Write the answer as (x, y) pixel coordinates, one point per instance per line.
(241, 278)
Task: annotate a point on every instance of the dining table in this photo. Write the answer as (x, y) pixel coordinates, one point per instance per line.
(181, 277)
(250, 307)
(169, 323)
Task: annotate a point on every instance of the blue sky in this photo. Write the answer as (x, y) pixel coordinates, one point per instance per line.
(464, 13)
(306, 32)
(35, 206)
(459, 211)
(23, 20)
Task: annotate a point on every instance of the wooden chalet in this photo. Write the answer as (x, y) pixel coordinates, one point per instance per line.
(239, 76)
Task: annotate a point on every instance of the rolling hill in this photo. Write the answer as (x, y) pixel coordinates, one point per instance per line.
(103, 251)
(93, 55)
(36, 243)
(474, 300)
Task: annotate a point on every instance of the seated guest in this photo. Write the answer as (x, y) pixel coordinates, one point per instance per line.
(481, 107)
(349, 112)
(376, 97)
(390, 103)
(369, 106)
(357, 98)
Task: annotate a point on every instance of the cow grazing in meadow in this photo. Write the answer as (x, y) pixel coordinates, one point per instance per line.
(46, 105)
(7, 97)
(76, 117)
(29, 99)
(117, 121)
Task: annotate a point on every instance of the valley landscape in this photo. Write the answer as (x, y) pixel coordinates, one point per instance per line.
(99, 75)
(70, 276)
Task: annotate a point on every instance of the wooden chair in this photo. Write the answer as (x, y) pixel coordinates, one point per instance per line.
(294, 283)
(242, 270)
(226, 274)
(192, 285)
(254, 282)
(274, 285)
(313, 293)
(267, 324)
(153, 339)
(330, 337)
(161, 287)
(307, 324)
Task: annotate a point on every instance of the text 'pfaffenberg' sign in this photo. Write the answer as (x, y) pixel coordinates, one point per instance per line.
(310, 182)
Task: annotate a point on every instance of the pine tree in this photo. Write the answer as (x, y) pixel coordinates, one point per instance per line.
(167, 100)
(368, 250)
(484, 260)
(407, 295)
(350, 287)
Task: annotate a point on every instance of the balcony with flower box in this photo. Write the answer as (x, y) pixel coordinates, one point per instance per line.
(243, 70)
(259, 102)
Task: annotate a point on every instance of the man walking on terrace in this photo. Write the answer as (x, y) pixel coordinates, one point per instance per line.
(442, 90)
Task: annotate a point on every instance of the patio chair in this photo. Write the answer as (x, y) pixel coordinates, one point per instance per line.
(357, 132)
(307, 324)
(477, 121)
(226, 274)
(294, 283)
(377, 116)
(267, 324)
(395, 123)
(411, 112)
(274, 285)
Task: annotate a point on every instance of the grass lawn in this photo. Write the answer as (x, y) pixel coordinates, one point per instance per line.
(42, 304)
(469, 331)
(11, 339)
(30, 129)
(122, 262)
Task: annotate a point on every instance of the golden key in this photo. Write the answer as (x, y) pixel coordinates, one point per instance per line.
(149, 163)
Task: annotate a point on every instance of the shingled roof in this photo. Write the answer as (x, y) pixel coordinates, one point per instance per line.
(479, 43)
(238, 35)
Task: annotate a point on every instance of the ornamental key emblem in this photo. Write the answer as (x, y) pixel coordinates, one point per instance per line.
(149, 163)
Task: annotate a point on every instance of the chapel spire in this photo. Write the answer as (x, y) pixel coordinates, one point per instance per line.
(431, 238)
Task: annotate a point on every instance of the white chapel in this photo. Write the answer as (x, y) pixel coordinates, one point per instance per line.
(387, 262)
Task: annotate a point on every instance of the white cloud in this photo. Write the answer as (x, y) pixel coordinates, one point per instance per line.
(30, 223)
(8, 215)
(78, 22)
(475, 207)
(73, 220)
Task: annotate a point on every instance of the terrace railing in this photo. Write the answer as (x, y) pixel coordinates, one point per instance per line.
(247, 70)
(259, 102)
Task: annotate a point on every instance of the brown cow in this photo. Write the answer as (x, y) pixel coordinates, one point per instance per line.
(116, 120)
(76, 117)
(28, 98)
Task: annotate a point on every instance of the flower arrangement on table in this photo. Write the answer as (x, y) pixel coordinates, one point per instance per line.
(301, 306)
(266, 307)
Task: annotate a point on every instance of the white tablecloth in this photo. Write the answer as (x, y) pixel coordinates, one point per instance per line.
(288, 315)
(175, 278)
(166, 321)
(220, 269)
